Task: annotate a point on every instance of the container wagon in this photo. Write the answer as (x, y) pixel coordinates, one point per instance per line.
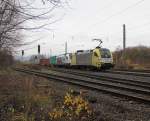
(44, 62)
(63, 60)
(53, 61)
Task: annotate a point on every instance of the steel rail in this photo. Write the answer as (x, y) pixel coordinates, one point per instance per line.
(143, 74)
(118, 91)
(142, 84)
(133, 70)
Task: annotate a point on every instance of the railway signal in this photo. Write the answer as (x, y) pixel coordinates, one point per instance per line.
(38, 49)
(22, 52)
(66, 48)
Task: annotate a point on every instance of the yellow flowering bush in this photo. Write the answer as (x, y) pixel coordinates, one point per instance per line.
(56, 114)
(73, 107)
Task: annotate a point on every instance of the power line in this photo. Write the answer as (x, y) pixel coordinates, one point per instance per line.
(120, 12)
(139, 26)
(27, 49)
(134, 28)
(29, 43)
(106, 6)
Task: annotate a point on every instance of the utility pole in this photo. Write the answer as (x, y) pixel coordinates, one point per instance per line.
(124, 44)
(66, 48)
(50, 52)
(124, 37)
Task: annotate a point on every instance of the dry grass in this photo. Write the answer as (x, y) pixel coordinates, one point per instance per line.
(20, 97)
(27, 98)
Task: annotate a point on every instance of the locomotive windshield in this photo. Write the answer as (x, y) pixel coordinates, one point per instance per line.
(105, 53)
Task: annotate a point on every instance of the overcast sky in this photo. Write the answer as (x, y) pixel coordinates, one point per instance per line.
(82, 20)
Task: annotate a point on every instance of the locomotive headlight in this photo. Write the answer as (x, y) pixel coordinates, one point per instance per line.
(106, 60)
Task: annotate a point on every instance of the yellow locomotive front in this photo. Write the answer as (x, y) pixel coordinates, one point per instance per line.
(102, 58)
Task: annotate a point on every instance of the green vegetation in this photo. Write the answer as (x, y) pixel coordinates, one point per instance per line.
(134, 57)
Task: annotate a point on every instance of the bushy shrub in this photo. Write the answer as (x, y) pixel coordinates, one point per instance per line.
(6, 58)
(73, 108)
(133, 56)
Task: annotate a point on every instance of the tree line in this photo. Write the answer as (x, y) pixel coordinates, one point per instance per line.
(133, 57)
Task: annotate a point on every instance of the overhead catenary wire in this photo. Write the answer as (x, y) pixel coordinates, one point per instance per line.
(115, 14)
(118, 13)
(139, 26)
(133, 28)
(106, 6)
(26, 49)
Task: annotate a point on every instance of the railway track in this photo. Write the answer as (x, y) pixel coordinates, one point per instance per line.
(135, 92)
(133, 70)
(142, 73)
(130, 82)
(129, 72)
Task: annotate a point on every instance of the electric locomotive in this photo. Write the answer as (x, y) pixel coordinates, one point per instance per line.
(99, 58)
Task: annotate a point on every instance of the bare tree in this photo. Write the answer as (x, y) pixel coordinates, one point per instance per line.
(8, 20)
(15, 13)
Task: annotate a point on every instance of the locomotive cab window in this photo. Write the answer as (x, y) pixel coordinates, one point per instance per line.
(105, 53)
(95, 54)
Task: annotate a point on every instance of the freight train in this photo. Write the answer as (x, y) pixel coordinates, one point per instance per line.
(98, 58)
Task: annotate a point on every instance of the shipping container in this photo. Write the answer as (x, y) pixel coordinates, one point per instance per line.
(53, 60)
(44, 62)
